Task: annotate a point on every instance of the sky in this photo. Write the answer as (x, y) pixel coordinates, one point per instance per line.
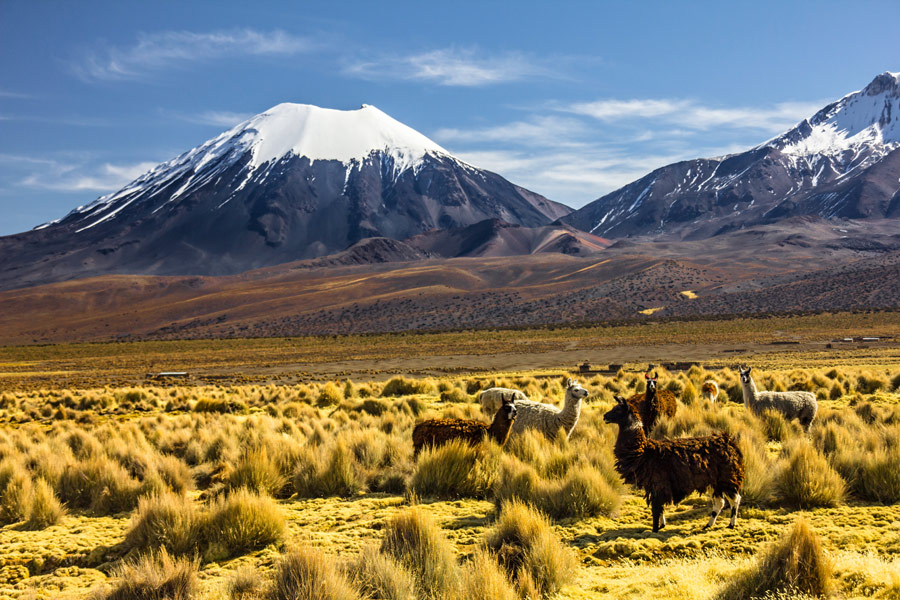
(569, 99)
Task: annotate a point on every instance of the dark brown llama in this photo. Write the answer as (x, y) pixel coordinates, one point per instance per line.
(436, 432)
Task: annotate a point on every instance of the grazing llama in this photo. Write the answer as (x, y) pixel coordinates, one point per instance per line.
(792, 405)
(653, 403)
(436, 432)
(710, 390)
(492, 398)
(670, 470)
(547, 418)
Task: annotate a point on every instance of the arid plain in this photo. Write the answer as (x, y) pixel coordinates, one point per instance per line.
(269, 454)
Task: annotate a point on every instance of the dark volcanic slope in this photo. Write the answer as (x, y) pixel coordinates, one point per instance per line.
(844, 162)
(497, 238)
(246, 199)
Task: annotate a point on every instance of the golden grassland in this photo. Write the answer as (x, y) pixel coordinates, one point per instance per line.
(260, 490)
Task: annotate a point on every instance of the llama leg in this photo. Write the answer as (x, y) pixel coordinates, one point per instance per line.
(735, 502)
(662, 520)
(717, 505)
(657, 509)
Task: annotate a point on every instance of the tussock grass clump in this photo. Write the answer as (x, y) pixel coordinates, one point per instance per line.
(307, 574)
(246, 584)
(482, 579)
(330, 394)
(776, 427)
(582, 492)
(328, 471)
(155, 577)
(877, 474)
(99, 484)
(414, 540)
(456, 469)
(794, 565)
(759, 471)
(241, 522)
(808, 480)
(44, 508)
(401, 386)
(256, 471)
(15, 492)
(165, 522)
(221, 405)
(525, 545)
(378, 575)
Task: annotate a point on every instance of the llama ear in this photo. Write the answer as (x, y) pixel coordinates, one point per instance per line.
(619, 399)
(646, 375)
(570, 382)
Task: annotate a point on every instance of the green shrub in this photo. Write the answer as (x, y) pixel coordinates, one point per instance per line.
(526, 547)
(308, 574)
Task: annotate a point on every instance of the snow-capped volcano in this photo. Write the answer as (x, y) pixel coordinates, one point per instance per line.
(296, 181)
(843, 162)
(263, 141)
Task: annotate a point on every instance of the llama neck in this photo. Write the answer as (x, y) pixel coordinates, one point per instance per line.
(749, 390)
(630, 445)
(500, 427)
(571, 408)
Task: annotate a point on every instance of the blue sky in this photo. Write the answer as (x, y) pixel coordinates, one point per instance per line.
(569, 99)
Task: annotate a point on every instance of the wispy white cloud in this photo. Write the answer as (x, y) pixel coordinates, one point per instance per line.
(452, 67)
(154, 52)
(219, 118)
(17, 95)
(694, 115)
(542, 129)
(77, 175)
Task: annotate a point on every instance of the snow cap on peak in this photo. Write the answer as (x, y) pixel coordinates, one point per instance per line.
(887, 81)
(330, 134)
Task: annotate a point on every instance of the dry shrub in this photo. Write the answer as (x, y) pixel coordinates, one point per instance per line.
(15, 492)
(256, 471)
(246, 584)
(329, 471)
(99, 484)
(689, 393)
(877, 473)
(175, 473)
(167, 521)
(221, 405)
(378, 575)
(524, 544)
(759, 471)
(582, 492)
(456, 469)
(794, 565)
(330, 394)
(155, 577)
(808, 480)
(241, 522)
(413, 539)
(401, 386)
(44, 508)
(308, 574)
(483, 580)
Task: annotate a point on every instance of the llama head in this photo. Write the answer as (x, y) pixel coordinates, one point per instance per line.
(709, 387)
(622, 415)
(574, 389)
(745, 374)
(508, 406)
(651, 381)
